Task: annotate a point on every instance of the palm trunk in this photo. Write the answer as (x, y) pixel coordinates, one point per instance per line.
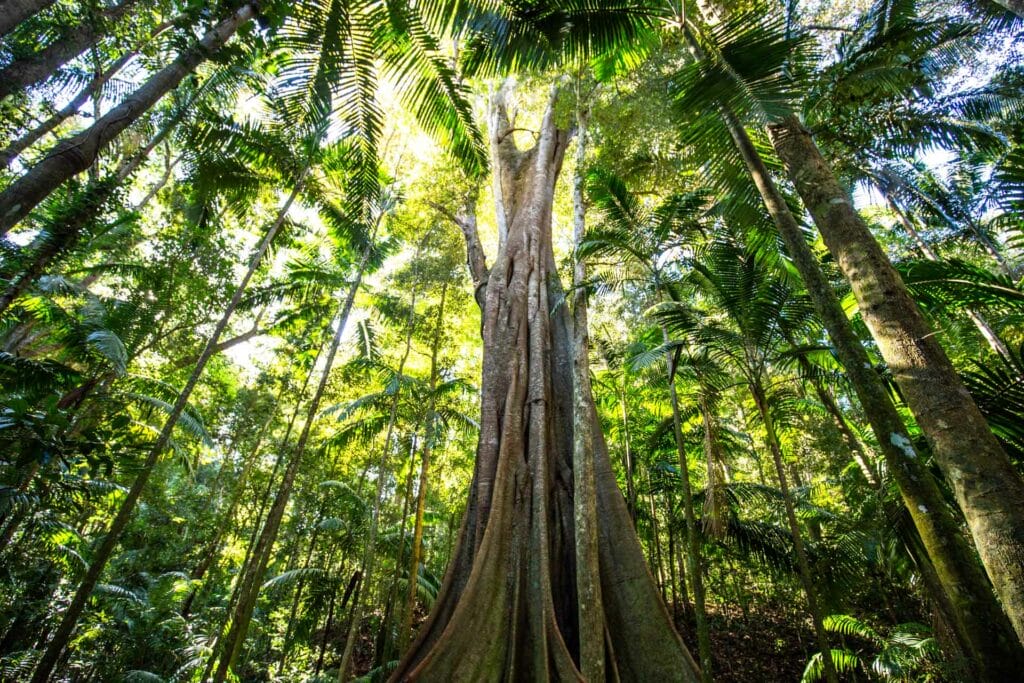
(370, 554)
(588, 576)
(987, 488)
(63, 633)
(803, 565)
(978, 615)
(658, 562)
(627, 453)
(507, 608)
(13, 12)
(242, 614)
(22, 73)
(693, 541)
(74, 155)
(429, 437)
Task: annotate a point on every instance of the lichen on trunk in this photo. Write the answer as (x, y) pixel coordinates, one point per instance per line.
(508, 606)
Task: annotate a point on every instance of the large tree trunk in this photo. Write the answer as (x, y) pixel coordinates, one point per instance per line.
(976, 615)
(13, 12)
(988, 489)
(79, 152)
(507, 610)
(25, 72)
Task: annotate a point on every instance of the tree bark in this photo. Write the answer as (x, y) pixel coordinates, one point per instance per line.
(988, 489)
(79, 152)
(588, 575)
(507, 608)
(13, 12)
(25, 72)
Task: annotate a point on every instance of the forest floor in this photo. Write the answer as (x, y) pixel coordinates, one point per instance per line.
(769, 644)
(766, 645)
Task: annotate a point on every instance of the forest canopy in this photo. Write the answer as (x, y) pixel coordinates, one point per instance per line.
(573, 340)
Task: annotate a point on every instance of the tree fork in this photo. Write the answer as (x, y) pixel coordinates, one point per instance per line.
(497, 616)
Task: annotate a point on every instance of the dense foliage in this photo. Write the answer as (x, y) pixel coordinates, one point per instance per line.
(240, 351)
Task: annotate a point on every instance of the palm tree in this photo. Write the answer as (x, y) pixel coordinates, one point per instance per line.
(765, 98)
(759, 306)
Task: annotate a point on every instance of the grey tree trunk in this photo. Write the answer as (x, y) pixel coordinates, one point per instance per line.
(22, 73)
(988, 489)
(588, 574)
(13, 12)
(79, 152)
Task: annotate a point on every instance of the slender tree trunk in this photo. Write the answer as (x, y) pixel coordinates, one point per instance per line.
(429, 437)
(63, 633)
(27, 71)
(79, 152)
(242, 614)
(507, 609)
(370, 554)
(588, 574)
(658, 562)
(978, 615)
(806, 576)
(693, 542)
(627, 453)
(13, 12)
(987, 488)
